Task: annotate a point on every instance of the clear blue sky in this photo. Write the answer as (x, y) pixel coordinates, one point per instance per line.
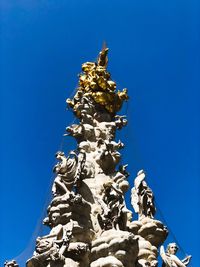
(154, 52)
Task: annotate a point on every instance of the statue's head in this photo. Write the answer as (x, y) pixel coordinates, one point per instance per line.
(55, 217)
(172, 248)
(59, 155)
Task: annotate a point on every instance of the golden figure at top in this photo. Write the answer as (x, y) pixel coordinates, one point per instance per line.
(95, 82)
(103, 58)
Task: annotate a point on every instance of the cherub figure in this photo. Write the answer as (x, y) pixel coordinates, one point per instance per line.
(170, 259)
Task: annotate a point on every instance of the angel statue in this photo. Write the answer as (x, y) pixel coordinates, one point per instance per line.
(170, 259)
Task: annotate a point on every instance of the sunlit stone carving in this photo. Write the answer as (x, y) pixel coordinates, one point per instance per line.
(90, 225)
(170, 259)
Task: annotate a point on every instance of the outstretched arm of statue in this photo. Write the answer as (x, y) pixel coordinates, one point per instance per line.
(187, 260)
(139, 179)
(178, 262)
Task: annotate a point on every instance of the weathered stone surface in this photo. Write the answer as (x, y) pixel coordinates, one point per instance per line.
(90, 225)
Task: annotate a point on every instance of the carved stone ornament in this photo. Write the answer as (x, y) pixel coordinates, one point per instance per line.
(90, 225)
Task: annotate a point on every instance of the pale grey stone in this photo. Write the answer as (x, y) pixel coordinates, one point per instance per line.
(90, 225)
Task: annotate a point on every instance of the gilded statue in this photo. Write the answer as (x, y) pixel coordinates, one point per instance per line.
(95, 83)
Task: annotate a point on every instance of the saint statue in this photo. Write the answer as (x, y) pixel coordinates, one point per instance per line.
(142, 198)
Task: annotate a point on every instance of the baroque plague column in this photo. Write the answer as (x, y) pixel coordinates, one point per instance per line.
(89, 222)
